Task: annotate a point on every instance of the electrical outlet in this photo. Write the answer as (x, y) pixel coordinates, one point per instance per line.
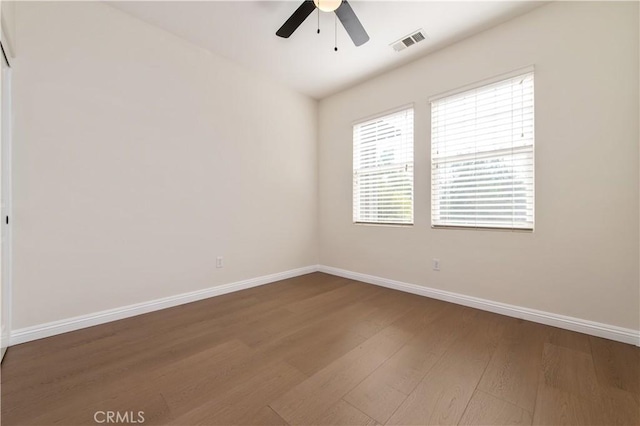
(219, 262)
(436, 264)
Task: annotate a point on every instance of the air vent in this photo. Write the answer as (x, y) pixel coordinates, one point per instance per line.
(398, 46)
(408, 41)
(418, 37)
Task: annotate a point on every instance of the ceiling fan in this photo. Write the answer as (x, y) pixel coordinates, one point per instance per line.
(343, 11)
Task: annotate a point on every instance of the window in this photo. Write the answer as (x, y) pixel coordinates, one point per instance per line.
(383, 169)
(482, 173)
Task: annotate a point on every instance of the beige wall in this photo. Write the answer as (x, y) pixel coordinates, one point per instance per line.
(139, 158)
(582, 259)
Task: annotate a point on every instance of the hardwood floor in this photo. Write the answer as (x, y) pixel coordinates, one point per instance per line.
(320, 349)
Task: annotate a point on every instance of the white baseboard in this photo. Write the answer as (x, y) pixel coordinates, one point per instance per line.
(606, 331)
(625, 335)
(70, 324)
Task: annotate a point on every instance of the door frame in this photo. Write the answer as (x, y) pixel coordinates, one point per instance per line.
(6, 202)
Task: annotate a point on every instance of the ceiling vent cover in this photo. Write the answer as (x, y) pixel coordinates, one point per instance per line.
(409, 40)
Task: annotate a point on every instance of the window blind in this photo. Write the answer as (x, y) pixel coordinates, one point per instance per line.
(482, 156)
(383, 169)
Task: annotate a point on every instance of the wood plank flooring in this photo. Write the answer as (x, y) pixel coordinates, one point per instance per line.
(320, 349)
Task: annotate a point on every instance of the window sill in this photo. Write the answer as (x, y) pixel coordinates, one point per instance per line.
(393, 225)
(482, 228)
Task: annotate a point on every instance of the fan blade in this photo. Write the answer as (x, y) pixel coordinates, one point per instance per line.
(296, 19)
(352, 24)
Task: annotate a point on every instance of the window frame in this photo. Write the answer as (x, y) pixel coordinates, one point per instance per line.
(377, 116)
(472, 86)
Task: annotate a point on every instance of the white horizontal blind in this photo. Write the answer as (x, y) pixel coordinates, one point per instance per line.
(383, 169)
(482, 159)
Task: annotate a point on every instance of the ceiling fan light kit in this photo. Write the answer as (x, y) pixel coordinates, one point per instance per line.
(343, 12)
(327, 5)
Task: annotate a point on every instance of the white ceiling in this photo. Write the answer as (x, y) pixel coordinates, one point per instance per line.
(244, 31)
